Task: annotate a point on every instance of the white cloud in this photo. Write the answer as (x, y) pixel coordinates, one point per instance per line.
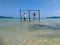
(55, 13)
(45, 13)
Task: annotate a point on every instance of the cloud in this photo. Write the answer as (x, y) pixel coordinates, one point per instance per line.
(48, 14)
(55, 13)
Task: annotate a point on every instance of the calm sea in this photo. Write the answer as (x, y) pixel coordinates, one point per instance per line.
(16, 32)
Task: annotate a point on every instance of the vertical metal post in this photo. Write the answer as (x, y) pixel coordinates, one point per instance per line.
(39, 14)
(20, 16)
(29, 15)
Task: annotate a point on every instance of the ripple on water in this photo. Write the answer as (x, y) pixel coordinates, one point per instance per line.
(43, 26)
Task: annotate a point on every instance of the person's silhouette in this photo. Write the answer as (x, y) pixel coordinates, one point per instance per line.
(24, 16)
(34, 15)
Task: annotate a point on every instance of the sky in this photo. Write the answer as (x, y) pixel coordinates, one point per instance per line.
(47, 7)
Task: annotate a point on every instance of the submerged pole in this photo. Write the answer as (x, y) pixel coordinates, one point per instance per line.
(20, 16)
(39, 14)
(29, 15)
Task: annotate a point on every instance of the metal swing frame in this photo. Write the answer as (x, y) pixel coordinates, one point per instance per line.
(29, 11)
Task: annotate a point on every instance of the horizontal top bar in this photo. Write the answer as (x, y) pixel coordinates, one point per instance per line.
(29, 10)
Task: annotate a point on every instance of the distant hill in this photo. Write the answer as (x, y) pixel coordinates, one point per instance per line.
(53, 17)
(5, 17)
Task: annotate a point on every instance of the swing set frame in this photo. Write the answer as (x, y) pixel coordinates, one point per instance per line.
(29, 11)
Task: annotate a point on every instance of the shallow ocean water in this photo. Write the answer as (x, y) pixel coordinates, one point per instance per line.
(15, 32)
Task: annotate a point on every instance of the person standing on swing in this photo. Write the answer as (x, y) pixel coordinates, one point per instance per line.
(34, 15)
(24, 16)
